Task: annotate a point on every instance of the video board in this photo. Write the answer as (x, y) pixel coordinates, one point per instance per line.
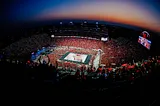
(145, 42)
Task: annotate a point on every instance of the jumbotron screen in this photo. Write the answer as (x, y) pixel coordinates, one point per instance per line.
(145, 39)
(145, 42)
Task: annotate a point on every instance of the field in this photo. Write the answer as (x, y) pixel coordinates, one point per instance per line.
(76, 58)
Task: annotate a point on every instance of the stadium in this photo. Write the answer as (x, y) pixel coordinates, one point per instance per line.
(83, 56)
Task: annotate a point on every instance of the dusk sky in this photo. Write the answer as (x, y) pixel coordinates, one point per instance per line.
(140, 13)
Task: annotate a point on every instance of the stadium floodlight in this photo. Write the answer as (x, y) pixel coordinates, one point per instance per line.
(61, 23)
(52, 36)
(104, 39)
(96, 22)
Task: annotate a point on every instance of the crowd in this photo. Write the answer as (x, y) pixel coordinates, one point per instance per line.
(61, 50)
(36, 75)
(79, 42)
(126, 71)
(24, 47)
(131, 65)
(114, 50)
